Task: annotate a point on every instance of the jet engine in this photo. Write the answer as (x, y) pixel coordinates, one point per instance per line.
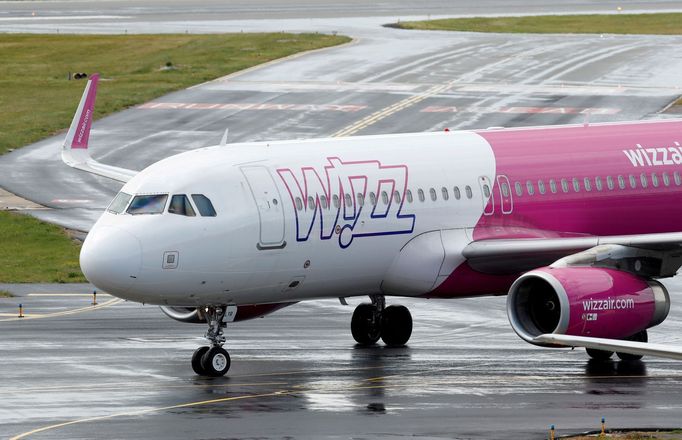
(585, 301)
(194, 315)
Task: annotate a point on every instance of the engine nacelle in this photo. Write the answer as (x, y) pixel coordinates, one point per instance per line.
(194, 315)
(184, 314)
(585, 301)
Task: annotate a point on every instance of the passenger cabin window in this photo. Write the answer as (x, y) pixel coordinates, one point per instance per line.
(519, 189)
(458, 195)
(299, 204)
(588, 184)
(552, 186)
(609, 182)
(666, 179)
(120, 202)
(204, 205)
(180, 205)
(678, 179)
(654, 180)
(644, 180)
(311, 202)
(470, 193)
(541, 186)
(576, 185)
(530, 188)
(323, 201)
(335, 200)
(505, 189)
(564, 185)
(372, 198)
(432, 191)
(384, 197)
(360, 198)
(633, 182)
(148, 204)
(420, 194)
(445, 193)
(408, 194)
(349, 201)
(396, 196)
(598, 184)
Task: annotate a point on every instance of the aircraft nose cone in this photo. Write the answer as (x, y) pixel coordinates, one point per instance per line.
(111, 259)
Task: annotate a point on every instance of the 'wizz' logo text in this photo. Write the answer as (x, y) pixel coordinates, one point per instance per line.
(348, 199)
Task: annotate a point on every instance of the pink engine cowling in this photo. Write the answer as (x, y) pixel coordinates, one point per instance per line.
(585, 301)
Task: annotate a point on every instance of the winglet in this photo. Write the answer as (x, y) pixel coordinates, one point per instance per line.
(75, 148)
(79, 132)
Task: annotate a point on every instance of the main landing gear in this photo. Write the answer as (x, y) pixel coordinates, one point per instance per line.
(604, 355)
(212, 361)
(393, 324)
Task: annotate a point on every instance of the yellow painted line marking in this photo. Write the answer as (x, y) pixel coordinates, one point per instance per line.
(392, 109)
(148, 411)
(89, 295)
(109, 303)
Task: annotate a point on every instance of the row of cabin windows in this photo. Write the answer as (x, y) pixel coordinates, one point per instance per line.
(597, 183)
(385, 198)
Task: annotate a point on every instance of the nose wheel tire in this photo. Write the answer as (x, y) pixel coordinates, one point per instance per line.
(365, 325)
(215, 362)
(196, 360)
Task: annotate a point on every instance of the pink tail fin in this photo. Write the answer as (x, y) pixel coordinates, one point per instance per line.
(79, 132)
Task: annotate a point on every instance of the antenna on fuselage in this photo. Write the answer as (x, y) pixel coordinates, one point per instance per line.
(223, 141)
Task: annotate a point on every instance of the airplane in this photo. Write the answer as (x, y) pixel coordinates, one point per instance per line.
(575, 224)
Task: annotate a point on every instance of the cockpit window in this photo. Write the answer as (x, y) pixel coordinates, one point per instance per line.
(204, 205)
(118, 205)
(180, 205)
(148, 204)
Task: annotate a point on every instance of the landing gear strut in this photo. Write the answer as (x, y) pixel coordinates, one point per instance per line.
(393, 324)
(212, 361)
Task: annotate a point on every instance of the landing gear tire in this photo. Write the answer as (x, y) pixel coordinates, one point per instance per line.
(196, 360)
(215, 362)
(599, 355)
(396, 326)
(637, 337)
(365, 324)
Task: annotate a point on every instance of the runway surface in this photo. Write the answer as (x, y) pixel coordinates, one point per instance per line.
(122, 371)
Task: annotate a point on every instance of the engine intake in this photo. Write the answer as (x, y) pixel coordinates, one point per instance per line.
(585, 301)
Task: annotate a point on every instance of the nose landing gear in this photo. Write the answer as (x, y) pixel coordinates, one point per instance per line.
(393, 324)
(213, 361)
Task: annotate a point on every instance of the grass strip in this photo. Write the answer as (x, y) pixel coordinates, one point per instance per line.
(5, 294)
(652, 24)
(37, 99)
(34, 252)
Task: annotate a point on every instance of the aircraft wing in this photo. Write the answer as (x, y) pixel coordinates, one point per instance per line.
(518, 255)
(75, 148)
(632, 347)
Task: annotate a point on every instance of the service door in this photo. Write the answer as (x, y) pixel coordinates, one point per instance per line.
(269, 203)
(487, 195)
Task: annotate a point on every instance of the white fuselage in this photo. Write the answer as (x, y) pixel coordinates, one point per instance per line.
(296, 220)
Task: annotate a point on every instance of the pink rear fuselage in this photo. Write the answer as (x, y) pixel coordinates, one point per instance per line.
(647, 152)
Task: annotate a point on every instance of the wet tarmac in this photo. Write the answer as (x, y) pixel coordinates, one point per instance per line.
(122, 371)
